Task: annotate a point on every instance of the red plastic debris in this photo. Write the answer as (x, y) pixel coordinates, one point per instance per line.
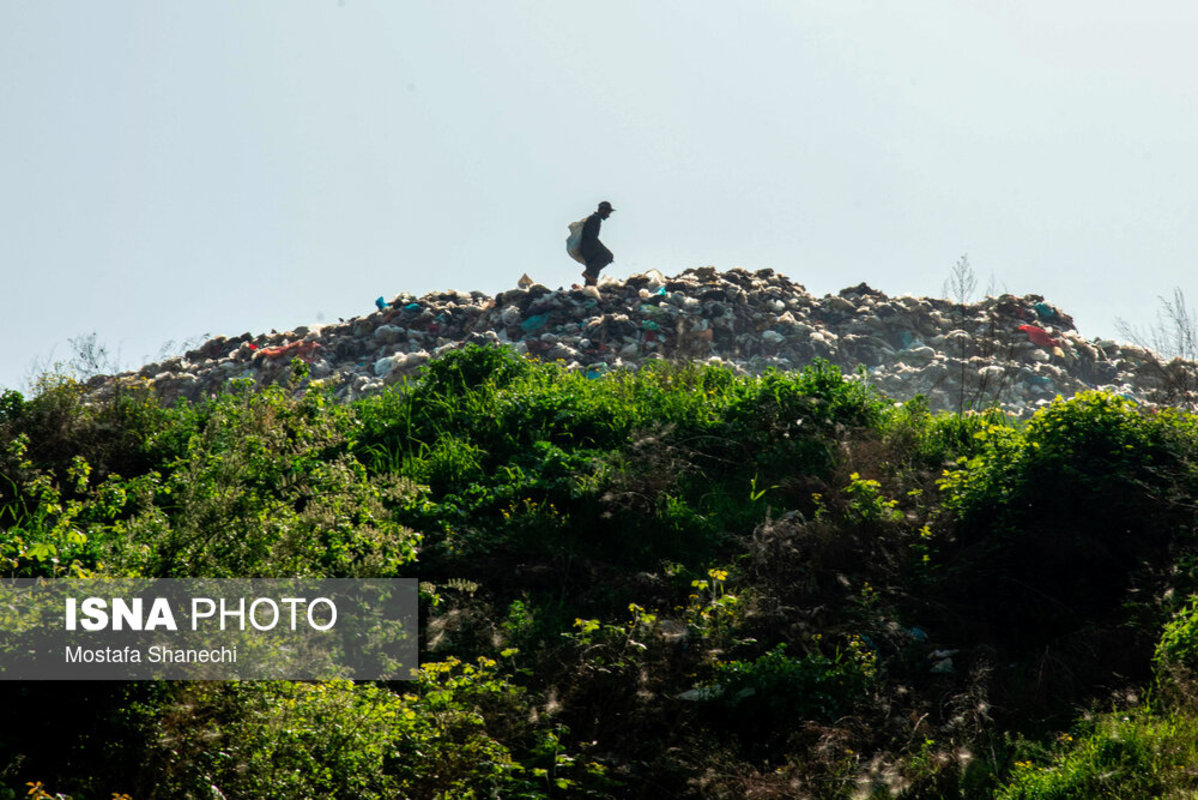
(1038, 336)
(302, 350)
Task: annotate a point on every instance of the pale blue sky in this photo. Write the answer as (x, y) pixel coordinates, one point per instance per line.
(181, 168)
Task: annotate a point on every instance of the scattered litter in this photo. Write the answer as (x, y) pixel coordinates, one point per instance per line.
(943, 667)
(302, 350)
(534, 323)
(957, 356)
(702, 694)
(1045, 311)
(1038, 335)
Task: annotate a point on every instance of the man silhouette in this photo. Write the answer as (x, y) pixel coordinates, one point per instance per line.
(594, 253)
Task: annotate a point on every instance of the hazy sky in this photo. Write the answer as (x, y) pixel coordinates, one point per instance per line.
(174, 169)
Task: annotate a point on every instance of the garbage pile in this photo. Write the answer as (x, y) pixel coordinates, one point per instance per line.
(1018, 352)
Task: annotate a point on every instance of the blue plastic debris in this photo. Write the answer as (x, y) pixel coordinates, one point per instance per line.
(412, 307)
(650, 325)
(661, 292)
(380, 303)
(534, 323)
(1045, 311)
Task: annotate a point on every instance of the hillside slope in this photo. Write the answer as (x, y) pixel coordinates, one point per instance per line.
(668, 582)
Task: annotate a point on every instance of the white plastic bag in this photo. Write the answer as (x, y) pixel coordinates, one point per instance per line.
(574, 241)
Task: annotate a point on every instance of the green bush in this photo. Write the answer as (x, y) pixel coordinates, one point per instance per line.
(1176, 656)
(1052, 518)
(1132, 756)
(535, 502)
(772, 694)
(249, 483)
(12, 403)
(637, 466)
(919, 439)
(460, 730)
(56, 529)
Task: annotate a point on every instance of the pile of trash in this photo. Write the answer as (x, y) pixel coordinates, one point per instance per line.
(1018, 352)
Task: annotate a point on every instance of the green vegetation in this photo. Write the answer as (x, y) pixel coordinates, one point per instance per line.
(670, 583)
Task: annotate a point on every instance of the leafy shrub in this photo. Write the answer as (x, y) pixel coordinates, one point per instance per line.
(61, 423)
(1176, 656)
(1053, 516)
(265, 486)
(461, 371)
(919, 439)
(771, 695)
(637, 466)
(544, 504)
(1132, 756)
(49, 535)
(12, 403)
(785, 422)
(461, 730)
(1179, 642)
(712, 612)
(249, 483)
(450, 464)
(866, 503)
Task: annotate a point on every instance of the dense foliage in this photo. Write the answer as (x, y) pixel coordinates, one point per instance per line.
(676, 582)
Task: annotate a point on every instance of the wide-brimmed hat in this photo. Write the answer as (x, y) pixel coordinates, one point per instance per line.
(605, 206)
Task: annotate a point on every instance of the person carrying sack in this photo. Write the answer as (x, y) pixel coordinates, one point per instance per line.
(584, 246)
